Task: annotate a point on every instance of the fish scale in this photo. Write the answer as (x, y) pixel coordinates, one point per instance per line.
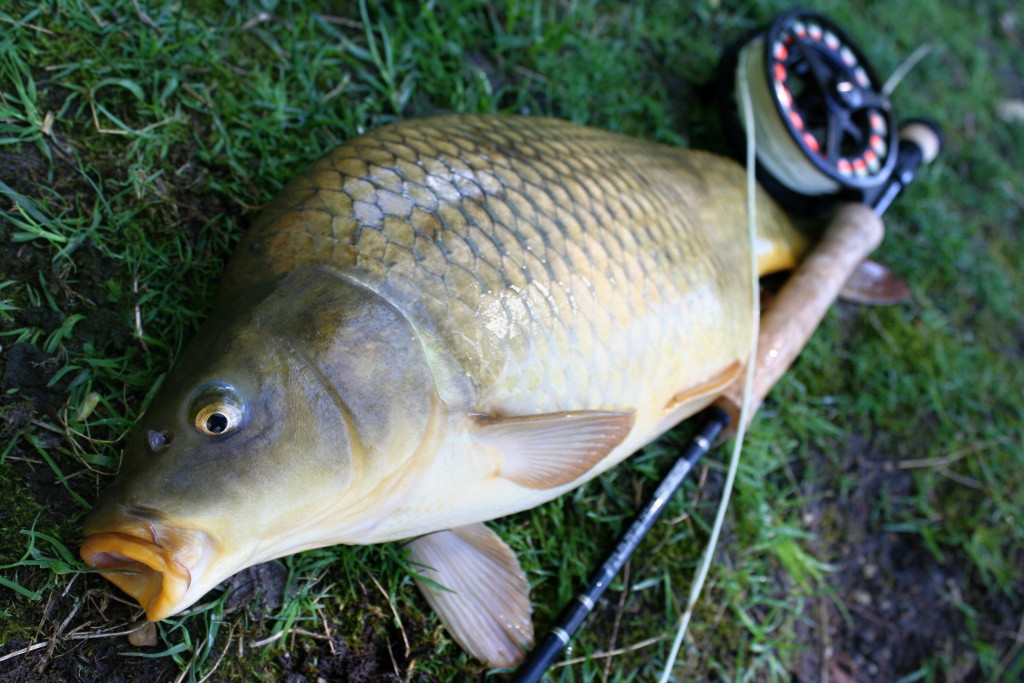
(441, 322)
(542, 255)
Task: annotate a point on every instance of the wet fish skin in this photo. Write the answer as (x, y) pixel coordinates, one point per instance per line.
(509, 238)
(442, 322)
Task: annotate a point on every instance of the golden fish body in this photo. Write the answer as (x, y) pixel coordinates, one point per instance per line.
(442, 322)
(545, 267)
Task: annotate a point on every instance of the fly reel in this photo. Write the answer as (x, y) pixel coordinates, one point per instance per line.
(824, 129)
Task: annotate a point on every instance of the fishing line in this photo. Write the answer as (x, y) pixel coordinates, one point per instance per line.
(747, 106)
(777, 149)
(903, 69)
(817, 123)
(814, 114)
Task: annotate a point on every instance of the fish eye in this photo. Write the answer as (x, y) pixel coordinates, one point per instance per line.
(217, 423)
(217, 409)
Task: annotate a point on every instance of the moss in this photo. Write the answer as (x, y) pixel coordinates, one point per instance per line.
(21, 511)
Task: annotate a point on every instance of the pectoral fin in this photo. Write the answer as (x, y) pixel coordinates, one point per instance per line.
(486, 604)
(545, 451)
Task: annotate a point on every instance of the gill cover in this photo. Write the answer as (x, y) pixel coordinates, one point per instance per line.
(369, 359)
(313, 397)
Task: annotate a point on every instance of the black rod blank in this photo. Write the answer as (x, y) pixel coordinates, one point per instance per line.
(571, 618)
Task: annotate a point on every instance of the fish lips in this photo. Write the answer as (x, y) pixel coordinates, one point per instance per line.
(153, 564)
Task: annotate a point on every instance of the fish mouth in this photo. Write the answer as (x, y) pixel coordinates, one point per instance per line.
(157, 573)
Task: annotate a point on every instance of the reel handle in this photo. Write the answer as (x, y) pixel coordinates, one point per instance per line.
(926, 136)
(920, 142)
(853, 233)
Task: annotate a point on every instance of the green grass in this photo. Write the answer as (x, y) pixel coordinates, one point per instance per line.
(135, 149)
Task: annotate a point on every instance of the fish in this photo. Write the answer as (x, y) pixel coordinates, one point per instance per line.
(441, 322)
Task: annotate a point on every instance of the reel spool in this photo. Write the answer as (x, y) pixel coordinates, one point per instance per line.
(824, 129)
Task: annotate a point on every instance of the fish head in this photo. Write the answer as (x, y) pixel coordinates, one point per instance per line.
(291, 422)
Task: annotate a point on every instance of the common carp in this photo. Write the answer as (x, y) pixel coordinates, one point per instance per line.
(442, 322)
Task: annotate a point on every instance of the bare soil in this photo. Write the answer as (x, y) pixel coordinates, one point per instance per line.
(902, 605)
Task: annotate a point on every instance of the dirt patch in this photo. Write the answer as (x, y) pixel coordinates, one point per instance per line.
(362, 645)
(95, 662)
(28, 369)
(260, 589)
(336, 659)
(901, 605)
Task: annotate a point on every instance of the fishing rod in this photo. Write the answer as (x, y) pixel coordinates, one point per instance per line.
(831, 135)
(572, 616)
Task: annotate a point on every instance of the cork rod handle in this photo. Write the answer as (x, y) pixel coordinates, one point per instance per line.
(789, 322)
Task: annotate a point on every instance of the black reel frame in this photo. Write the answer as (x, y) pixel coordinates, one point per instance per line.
(829, 100)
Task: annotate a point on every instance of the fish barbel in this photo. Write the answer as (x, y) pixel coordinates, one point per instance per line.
(443, 321)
